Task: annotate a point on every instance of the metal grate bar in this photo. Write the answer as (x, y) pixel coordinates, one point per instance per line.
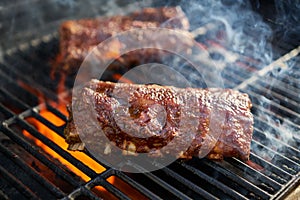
(283, 110)
(17, 184)
(15, 67)
(269, 140)
(184, 182)
(269, 114)
(112, 189)
(288, 79)
(231, 80)
(285, 46)
(295, 67)
(27, 56)
(238, 179)
(291, 105)
(188, 183)
(272, 124)
(6, 111)
(166, 186)
(136, 185)
(279, 63)
(52, 188)
(211, 180)
(157, 179)
(257, 176)
(236, 74)
(47, 47)
(16, 91)
(56, 112)
(3, 196)
(291, 153)
(270, 93)
(47, 123)
(228, 84)
(81, 191)
(293, 116)
(101, 180)
(37, 154)
(282, 88)
(267, 133)
(271, 170)
(285, 191)
(40, 49)
(13, 100)
(295, 74)
(250, 64)
(287, 165)
(84, 168)
(88, 193)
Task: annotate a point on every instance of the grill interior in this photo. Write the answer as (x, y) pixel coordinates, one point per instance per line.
(29, 172)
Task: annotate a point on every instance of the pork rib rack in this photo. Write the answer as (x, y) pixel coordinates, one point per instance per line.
(78, 37)
(219, 121)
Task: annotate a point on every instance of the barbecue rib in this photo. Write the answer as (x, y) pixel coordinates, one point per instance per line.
(78, 37)
(223, 116)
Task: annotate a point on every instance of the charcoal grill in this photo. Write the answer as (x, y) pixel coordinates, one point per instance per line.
(28, 172)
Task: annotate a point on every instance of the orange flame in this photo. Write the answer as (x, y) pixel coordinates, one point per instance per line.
(121, 79)
(53, 136)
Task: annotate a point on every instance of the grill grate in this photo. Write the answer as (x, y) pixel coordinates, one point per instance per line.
(270, 174)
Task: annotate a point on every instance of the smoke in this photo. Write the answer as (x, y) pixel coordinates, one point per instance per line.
(235, 26)
(276, 113)
(277, 135)
(287, 19)
(228, 30)
(67, 3)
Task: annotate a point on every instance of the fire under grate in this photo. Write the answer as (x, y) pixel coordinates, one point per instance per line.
(30, 172)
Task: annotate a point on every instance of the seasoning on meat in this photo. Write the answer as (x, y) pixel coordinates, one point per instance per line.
(224, 113)
(78, 37)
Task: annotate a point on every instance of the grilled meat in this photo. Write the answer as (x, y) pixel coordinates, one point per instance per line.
(219, 121)
(78, 37)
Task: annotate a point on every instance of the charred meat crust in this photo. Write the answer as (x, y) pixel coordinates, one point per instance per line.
(225, 123)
